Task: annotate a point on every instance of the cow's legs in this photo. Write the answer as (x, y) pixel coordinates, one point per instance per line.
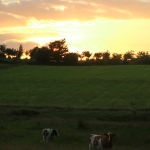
(90, 146)
(46, 138)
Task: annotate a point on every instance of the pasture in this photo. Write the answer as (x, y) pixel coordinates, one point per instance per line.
(76, 100)
(77, 87)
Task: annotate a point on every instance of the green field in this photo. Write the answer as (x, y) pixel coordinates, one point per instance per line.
(78, 101)
(79, 87)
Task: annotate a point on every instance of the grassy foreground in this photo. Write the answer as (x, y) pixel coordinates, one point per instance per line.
(77, 101)
(21, 127)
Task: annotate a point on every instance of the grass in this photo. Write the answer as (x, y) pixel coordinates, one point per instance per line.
(75, 125)
(79, 87)
(78, 101)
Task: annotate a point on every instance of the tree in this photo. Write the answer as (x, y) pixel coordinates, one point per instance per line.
(10, 52)
(106, 55)
(33, 52)
(41, 55)
(71, 58)
(27, 53)
(142, 54)
(128, 55)
(19, 52)
(2, 50)
(81, 56)
(98, 55)
(143, 57)
(116, 58)
(2, 55)
(59, 49)
(86, 54)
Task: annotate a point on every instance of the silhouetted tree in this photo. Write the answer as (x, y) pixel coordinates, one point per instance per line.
(81, 56)
(143, 57)
(128, 56)
(2, 49)
(2, 55)
(98, 55)
(86, 54)
(71, 59)
(142, 54)
(33, 53)
(41, 55)
(106, 57)
(10, 52)
(116, 58)
(27, 53)
(19, 52)
(58, 49)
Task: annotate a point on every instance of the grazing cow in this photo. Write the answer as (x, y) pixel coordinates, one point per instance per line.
(98, 142)
(48, 134)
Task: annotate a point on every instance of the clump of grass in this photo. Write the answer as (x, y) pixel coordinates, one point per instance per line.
(25, 112)
(81, 125)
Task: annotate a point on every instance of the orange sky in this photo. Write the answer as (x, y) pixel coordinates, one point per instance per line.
(91, 25)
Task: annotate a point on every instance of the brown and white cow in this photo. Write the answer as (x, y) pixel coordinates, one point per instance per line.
(98, 142)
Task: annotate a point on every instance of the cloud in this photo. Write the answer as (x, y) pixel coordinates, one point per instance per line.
(13, 40)
(10, 36)
(26, 44)
(80, 10)
(24, 19)
(9, 20)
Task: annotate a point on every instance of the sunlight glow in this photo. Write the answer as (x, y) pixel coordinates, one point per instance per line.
(41, 40)
(79, 35)
(61, 7)
(96, 26)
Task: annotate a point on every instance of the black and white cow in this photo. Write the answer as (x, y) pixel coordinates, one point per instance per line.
(48, 134)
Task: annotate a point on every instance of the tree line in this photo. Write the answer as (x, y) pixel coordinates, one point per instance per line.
(57, 52)
(10, 52)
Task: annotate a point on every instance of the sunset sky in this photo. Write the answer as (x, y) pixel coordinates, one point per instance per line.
(92, 25)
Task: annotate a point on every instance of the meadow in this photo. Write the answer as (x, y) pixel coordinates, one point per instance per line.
(79, 87)
(76, 100)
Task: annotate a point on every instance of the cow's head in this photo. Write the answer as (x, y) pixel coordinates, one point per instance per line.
(110, 137)
(55, 132)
